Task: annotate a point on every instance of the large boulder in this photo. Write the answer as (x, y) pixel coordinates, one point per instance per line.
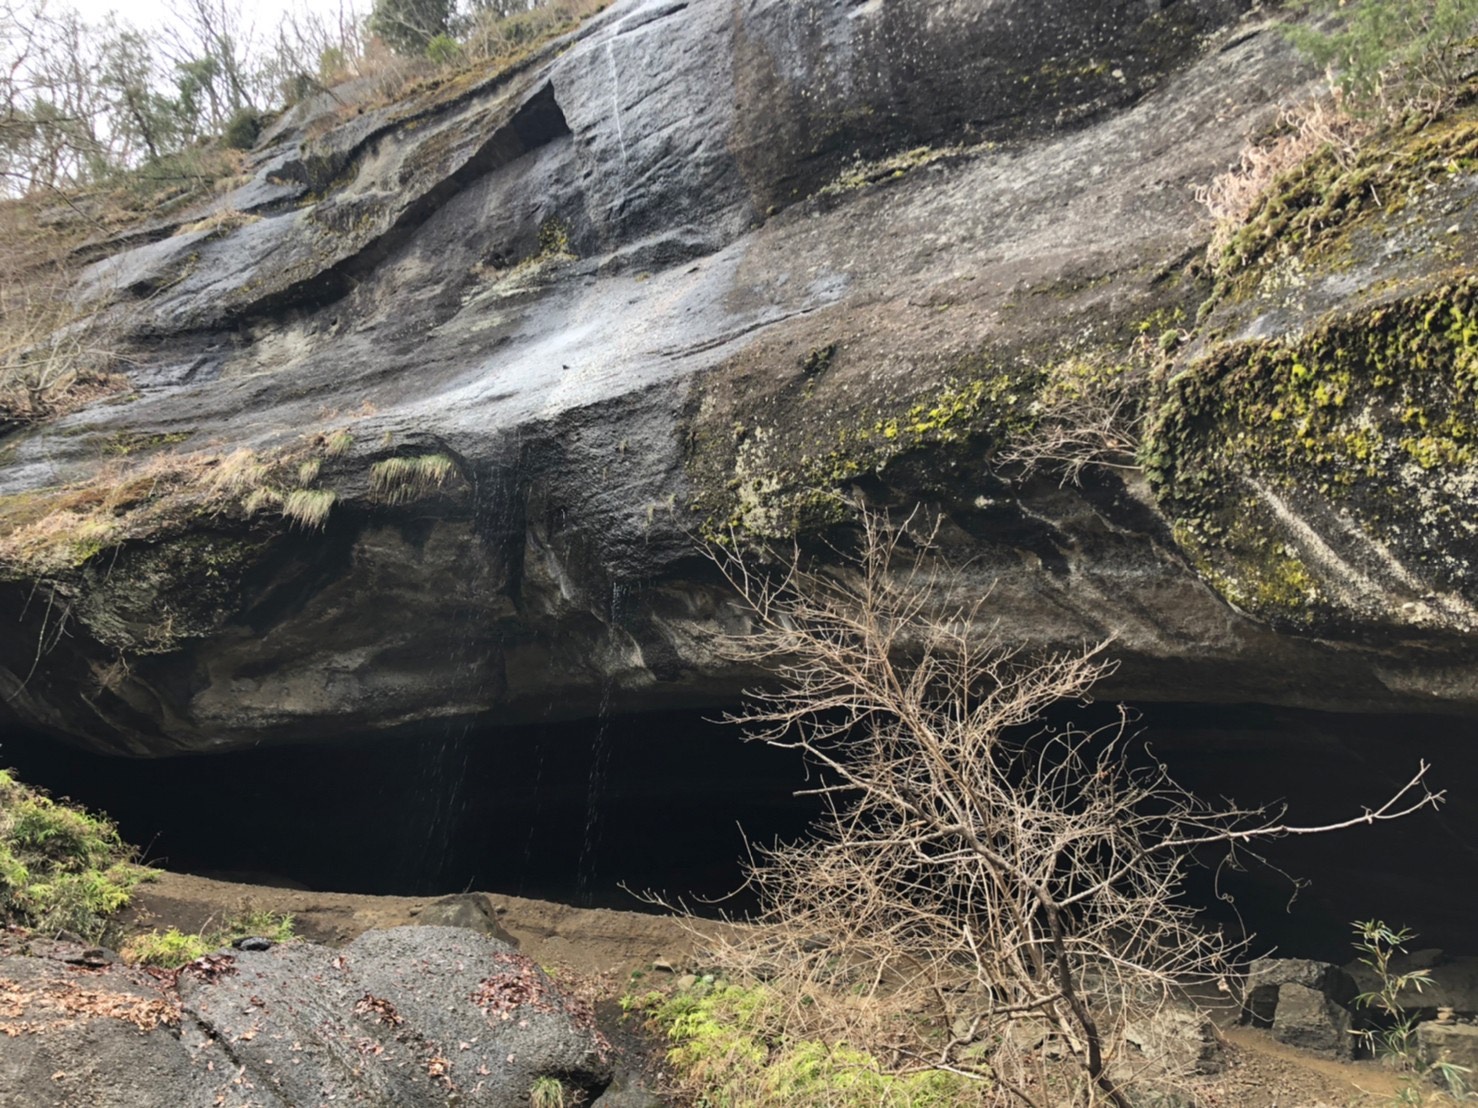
(409, 1016)
(1266, 978)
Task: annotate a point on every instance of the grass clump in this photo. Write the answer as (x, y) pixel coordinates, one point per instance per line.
(549, 1092)
(308, 508)
(173, 948)
(731, 1047)
(403, 479)
(337, 443)
(62, 868)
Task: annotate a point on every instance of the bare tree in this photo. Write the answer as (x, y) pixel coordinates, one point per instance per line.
(1086, 416)
(982, 892)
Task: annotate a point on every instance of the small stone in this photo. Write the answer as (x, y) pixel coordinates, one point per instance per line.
(1452, 1043)
(1307, 1019)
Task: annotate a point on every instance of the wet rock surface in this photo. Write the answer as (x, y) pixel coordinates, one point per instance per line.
(408, 1016)
(645, 286)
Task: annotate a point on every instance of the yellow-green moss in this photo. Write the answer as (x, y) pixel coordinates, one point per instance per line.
(1371, 412)
(1307, 213)
(173, 948)
(778, 491)
(730, 1048)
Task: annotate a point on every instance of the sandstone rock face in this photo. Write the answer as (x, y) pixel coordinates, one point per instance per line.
(437, 434)
(409, 1016)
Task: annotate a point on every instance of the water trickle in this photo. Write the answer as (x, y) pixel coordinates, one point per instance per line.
(600, 757)
(525, 868)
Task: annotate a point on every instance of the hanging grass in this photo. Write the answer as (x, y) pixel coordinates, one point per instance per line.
(403, 479)
(308, 508)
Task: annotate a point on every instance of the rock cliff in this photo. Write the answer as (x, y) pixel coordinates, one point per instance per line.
(428, 417)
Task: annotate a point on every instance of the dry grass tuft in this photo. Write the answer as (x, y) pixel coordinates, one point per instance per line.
(139, 496)
(1302, 132)
(403, 479)
(308, 508)
(220, 222)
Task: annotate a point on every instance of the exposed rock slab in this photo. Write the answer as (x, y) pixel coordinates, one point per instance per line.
(642, 286)
(409, 1016)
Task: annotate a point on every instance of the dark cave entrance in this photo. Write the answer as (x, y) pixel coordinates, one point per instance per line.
(584, 812)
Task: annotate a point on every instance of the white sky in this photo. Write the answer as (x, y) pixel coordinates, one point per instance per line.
(262, 17)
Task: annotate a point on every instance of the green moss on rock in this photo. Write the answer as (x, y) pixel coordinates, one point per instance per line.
(1302, 472)
(783, 479)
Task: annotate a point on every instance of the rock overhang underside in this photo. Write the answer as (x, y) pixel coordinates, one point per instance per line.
(436, 423)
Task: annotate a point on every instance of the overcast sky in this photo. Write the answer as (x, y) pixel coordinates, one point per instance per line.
(261, 16)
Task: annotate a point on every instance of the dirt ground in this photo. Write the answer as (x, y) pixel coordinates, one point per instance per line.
(611, 945)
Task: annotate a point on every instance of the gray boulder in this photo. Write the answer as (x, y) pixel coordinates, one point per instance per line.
(1444, 1041)
(410, 1016)
(474, 911)
(1267, 976)
(1177, 1042)
(1307, 1019)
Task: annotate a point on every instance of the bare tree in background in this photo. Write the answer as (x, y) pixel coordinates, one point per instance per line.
(983, 890)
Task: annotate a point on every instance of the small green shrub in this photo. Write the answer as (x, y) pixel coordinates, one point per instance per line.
(168, 949)
(173, 948)
(444, 50)
(61, 867)
(1391, 1036)
(242, 129)
(1391, 55)
(730, 1048)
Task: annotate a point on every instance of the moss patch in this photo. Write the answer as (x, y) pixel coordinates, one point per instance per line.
(778, 480)
(1306, 216)
(173, 948)
(728, 1049)
(1369, 419)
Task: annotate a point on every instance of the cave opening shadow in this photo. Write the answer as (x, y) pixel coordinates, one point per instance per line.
(582, 813)
(593, 814)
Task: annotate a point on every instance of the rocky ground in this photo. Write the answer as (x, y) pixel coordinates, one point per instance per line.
(605, 948)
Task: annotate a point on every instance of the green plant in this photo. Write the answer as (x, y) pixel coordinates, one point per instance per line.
(1391, 55)
(337, 443)
(1391, 1036)
(730, 1047)
(1377, 944)
(62, 868)
(409, 26)
(167, 949)
(444, 50)
(173, 948)
(242, 129)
